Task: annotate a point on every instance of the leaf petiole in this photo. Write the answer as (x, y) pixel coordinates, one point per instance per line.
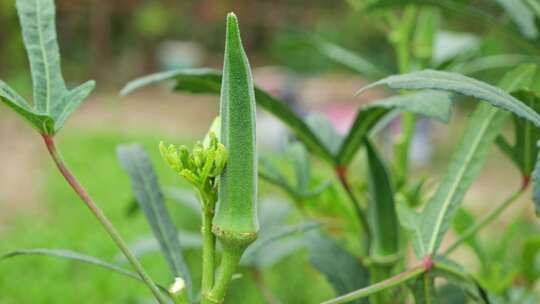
(341, 172)
(378, 287)
(485, 220)
(102, 218)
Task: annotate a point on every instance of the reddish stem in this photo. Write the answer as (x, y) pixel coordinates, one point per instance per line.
(427, 262)
(98, 213)
(341, 172)
(79, 189)
(526, 180)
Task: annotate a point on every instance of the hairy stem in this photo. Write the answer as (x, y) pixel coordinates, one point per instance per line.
(342, 176)
(485, 220)
(98, 213)
(378, 287)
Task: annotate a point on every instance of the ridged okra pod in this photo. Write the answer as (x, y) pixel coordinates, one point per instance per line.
(235, 223)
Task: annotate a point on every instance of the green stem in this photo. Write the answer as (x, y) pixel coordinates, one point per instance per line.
(402, 145)
(101, 217)
(229, 262)
(485, 220)
(342, 176)
(402, 52)
(209, 246)
(400, 38)
(378, 273)
(378, 287)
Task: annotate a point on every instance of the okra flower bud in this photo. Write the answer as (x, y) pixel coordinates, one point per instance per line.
(202, 166)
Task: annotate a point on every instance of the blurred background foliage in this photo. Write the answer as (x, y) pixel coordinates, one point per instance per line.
(115, 41)
(126, 36)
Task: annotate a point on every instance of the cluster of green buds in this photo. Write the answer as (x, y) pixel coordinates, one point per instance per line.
(201, 166)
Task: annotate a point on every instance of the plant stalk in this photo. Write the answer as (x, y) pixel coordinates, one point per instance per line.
(229, 263)
(209, 245)
(402, 147)
(485, 220)
(341, 172)
(400, 37)
(378, 273)
(378, 287)
(101, 217)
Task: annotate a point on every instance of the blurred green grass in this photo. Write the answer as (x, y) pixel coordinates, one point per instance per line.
(62, 221)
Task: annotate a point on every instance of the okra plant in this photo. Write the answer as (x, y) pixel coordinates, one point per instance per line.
(388, 211)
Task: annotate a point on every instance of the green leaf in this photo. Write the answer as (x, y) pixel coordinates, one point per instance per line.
(274, 252)
(39, 34)
(465, 165)
(207, 81)
(437, 105)
(480, 64)
(75, 256)
(453, 82)
(53, 103)
(536, 183)
(148, 244)
(269, 172)
(463, 221)
(534, 6)
(430, 104)
(277, 239)
(184, 197)
(520, 78)
(201, 80)
(297, 158)
(507, 149)
(325, 131)
(451, 46)
(42, 123)
(276, 243)
(523, 152)
(381, 208)
(466, 10)
(150, 198)
(453, 273)
(531, 259)
(348, 59)
(411, 221)
(414, 193)
(450, 293)
(526, 135)
(342, 270)
(62, 111)
(521, 15)
(423, 289)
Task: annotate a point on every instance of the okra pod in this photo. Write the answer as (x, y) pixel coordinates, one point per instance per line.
(235, 222)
